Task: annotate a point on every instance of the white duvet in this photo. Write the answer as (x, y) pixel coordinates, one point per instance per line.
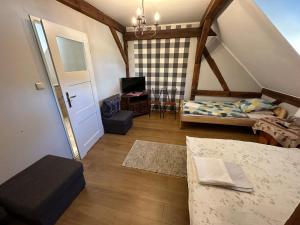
(273, 171)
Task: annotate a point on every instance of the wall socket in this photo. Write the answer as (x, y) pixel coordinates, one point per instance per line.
(39, 86)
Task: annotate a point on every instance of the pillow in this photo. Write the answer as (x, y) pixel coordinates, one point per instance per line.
(110, 106)
(255, 104)
(280, 112)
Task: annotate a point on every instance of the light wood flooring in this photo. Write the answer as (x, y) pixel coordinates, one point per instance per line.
(115, 195)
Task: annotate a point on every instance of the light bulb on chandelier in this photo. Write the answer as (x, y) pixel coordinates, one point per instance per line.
(156, 17)
(134, 21)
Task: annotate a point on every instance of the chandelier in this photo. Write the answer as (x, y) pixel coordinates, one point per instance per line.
(139, 23)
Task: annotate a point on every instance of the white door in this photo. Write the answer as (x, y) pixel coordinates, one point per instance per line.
(72, 61)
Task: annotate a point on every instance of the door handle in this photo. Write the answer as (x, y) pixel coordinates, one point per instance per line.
(69, 99)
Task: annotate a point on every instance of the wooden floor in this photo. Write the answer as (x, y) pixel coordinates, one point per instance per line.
(115, 195)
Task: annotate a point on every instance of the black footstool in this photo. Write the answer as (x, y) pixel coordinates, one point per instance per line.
(119, 123)
(41, 193)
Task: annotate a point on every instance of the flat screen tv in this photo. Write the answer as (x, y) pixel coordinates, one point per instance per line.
(133, 84)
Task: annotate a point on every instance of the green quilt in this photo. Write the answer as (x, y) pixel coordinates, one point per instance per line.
(212, 108)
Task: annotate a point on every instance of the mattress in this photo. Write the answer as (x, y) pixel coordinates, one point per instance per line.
(213, 108)
(273, 171)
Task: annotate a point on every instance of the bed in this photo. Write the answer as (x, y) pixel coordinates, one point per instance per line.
(226, 113)
(273, 171)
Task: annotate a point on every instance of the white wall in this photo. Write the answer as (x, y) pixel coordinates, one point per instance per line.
(30, 123)
(109, 66)
(234, 73)
(256, 42)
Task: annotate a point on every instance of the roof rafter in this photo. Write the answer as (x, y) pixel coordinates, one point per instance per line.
(170, 33)
(211, 62)
(119, 44)
(214, 9)
(91, 11)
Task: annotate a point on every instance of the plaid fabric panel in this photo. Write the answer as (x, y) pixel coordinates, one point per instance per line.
(164, 64)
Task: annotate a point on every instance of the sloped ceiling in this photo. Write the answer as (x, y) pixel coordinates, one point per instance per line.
(243, 28)
(254, 40)
(171, 11)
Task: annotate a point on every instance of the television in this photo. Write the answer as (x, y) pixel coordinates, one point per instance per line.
(133, 84)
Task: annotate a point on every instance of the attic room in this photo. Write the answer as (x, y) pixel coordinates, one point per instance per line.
(150, 112)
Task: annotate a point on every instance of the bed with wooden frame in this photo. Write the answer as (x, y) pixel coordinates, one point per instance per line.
(190, 118)
(234, 118)
(247, 122)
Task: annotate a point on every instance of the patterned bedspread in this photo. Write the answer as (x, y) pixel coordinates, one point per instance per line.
(273, 171)
(212, 108)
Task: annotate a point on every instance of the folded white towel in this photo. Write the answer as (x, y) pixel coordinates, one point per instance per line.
(212, 171)
(216, 172)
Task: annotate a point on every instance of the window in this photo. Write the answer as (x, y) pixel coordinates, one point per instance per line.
(72, 54)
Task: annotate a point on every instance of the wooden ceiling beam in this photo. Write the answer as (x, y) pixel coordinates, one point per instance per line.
(202, 40)
(120, 47)
(92, 12)
(214, 8)
(167, 34)
(235, 94)
(126, 53)
(199, 50)
(211, 62)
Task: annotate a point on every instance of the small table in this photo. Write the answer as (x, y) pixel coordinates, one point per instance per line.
(138, 104)
(273, 133)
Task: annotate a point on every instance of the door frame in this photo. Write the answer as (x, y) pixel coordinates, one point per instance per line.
(88, 65)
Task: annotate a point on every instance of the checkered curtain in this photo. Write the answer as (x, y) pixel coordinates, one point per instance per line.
(164, 63)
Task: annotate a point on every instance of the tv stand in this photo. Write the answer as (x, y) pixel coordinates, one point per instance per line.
(139, 105)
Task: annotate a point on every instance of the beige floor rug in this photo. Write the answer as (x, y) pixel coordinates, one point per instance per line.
(158, 158)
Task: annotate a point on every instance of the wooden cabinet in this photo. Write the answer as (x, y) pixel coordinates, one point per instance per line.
(138, 104)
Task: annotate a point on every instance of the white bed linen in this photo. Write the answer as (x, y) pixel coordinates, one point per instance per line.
(273, 171)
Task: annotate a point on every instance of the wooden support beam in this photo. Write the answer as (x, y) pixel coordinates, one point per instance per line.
(281, 97)
(167, 34)
(211, 62)
(199, 51)
(206, 13)
(196, 72)
(202, 40)
(126, 53)
(119, 44)
(91, 11)
(236, 94)
(214, 8)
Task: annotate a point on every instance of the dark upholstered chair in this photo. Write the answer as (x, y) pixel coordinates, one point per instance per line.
(41, 193)
(114, 120)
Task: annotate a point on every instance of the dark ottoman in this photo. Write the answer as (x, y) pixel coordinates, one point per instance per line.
(114, 120)
(119, 123)
(42, 192)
